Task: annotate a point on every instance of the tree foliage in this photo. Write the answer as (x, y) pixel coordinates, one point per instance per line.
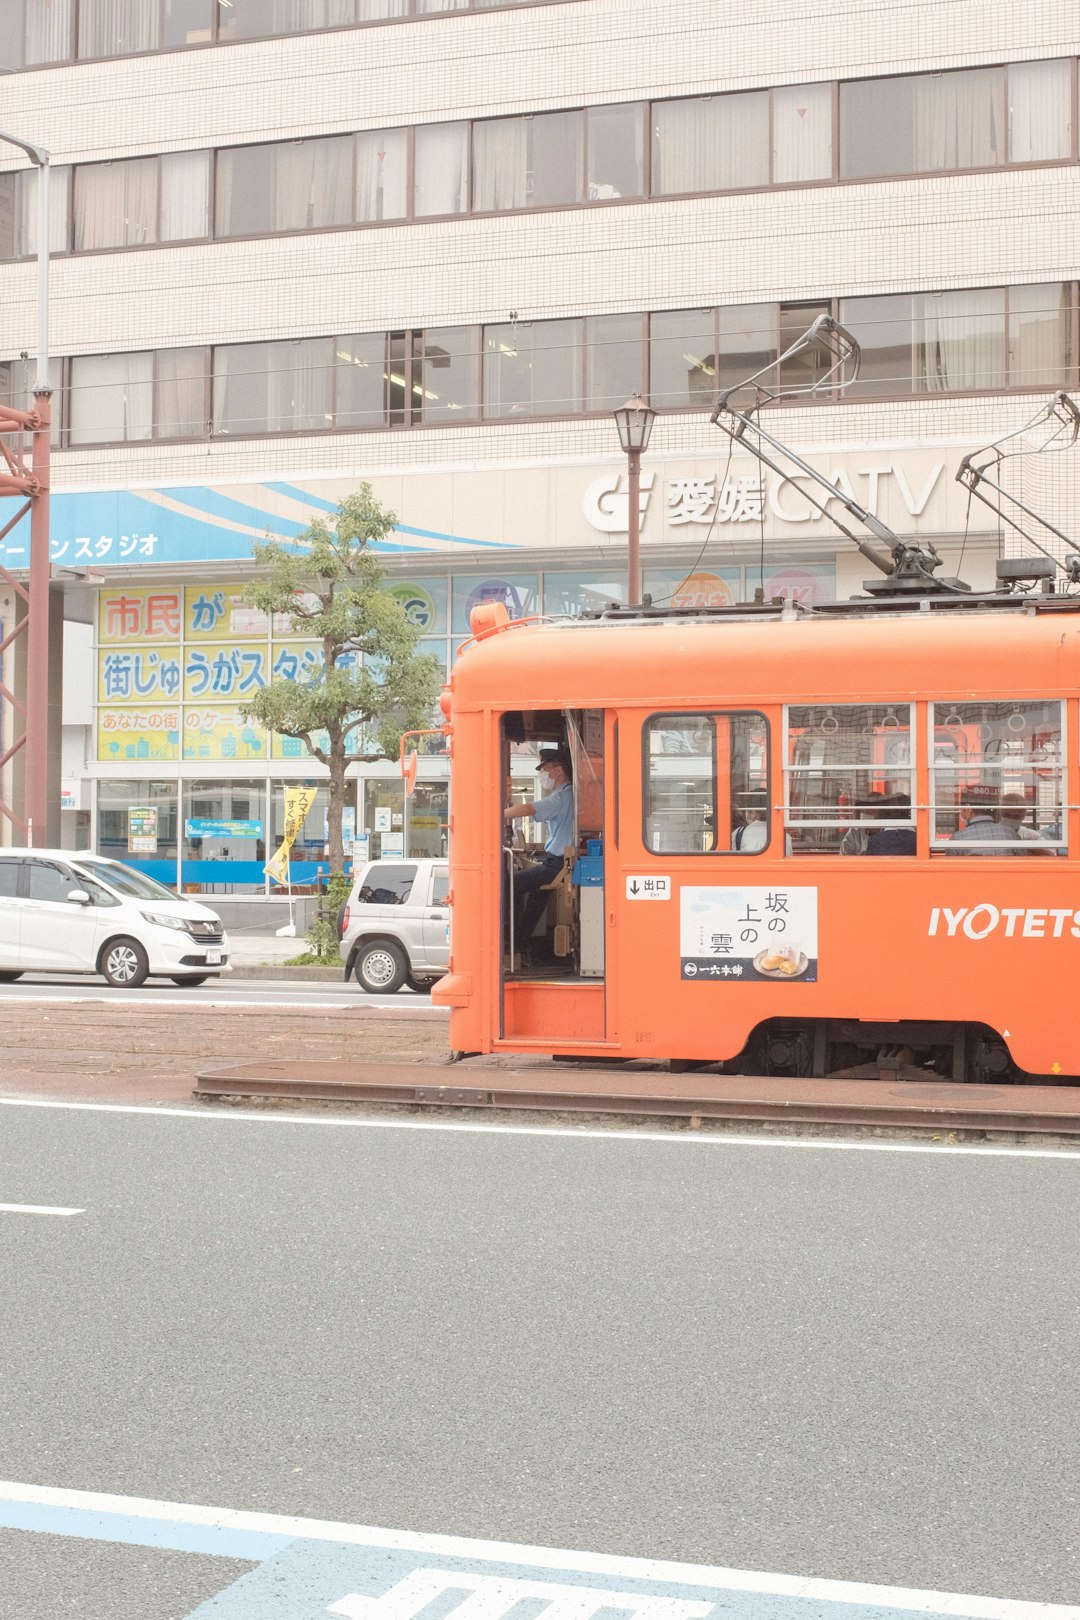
(371, 685)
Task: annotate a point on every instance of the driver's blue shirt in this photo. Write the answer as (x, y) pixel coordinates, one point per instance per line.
(557, 811)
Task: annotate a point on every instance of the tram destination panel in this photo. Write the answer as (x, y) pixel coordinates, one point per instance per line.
(758, 934)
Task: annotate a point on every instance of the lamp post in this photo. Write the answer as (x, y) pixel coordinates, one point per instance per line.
(36, 735)
(634, 421)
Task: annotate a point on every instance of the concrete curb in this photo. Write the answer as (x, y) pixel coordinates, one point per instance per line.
(271, 970)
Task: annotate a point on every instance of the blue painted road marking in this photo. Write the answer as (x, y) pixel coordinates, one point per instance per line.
(306, 1569)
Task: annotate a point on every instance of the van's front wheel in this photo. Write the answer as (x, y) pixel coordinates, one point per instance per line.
(381, 968)
(124, 964)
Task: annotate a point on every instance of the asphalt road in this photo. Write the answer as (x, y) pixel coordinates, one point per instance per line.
(223, 992)
(848, 1362)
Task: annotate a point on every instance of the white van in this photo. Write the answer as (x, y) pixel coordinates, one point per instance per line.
(62, 912)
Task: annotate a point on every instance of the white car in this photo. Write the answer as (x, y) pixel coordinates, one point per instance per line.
(62, 912)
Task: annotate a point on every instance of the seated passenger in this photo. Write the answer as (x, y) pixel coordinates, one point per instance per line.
(1013, 813)
(753, 835)
(855, 839)
(980, 827)
(893, 840)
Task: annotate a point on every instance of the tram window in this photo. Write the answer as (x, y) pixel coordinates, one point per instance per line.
(706, 781)
(997, 774)
(848, 774)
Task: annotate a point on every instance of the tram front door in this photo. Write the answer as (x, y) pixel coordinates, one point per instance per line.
(553, 959)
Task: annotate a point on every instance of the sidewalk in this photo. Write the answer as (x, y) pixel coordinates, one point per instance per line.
(263, 956)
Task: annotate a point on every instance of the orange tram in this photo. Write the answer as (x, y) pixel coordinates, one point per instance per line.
(839, 841)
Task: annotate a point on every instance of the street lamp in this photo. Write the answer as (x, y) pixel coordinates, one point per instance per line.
(35, 737)
(634, 421)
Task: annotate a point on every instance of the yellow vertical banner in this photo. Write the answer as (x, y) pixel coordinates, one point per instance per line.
(298, 801)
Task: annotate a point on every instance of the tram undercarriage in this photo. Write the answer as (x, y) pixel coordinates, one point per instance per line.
(851, 1049)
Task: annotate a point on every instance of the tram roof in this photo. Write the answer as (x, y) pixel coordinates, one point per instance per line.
(1008, 649)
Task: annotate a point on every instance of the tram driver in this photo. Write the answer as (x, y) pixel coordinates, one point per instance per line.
(554, 808)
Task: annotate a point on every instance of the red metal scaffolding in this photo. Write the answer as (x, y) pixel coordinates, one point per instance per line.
(29, 478)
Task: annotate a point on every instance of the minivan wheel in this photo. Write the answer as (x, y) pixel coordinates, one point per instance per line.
(421, 986)
(381, 968)
(124, 963)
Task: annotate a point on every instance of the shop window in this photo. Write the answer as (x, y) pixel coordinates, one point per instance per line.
(383, 821)
(570, 592)
(802, 133)
(428, 812)
(682, 358)
(226, 821)
(442, 169)
(706, 783)
(518, 594)
(616, 137)
(849, 776)
(997, 778)
(382, 169)
(123, 819)
(711, 143)
(311, 840)
(533, 368)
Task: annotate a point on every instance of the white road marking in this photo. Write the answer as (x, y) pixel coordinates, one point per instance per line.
(683, 1137)
(640, 1569)
(37, 1209)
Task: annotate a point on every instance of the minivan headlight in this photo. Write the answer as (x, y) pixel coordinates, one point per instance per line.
(160, 920)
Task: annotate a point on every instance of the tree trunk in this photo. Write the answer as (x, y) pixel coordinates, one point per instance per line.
(336, 806)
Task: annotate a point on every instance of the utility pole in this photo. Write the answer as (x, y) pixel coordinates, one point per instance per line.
(33, 483)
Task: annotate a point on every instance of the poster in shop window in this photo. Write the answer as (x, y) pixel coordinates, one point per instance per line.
(763, 935)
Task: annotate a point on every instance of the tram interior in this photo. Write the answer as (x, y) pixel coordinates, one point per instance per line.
(567, 940)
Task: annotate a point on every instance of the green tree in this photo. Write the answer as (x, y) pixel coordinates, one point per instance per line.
(329, 585)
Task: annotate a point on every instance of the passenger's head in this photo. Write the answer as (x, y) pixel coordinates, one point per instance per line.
(753, 807)
(1013, 809)
(972, 803)
(870, 807)
(898, 807)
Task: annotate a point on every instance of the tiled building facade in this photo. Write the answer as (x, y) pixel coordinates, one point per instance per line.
(433, 246)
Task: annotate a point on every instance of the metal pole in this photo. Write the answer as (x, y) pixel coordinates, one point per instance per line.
(633, 560)
(36, 797)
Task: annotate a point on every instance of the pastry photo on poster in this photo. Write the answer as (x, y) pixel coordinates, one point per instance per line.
(757, 934)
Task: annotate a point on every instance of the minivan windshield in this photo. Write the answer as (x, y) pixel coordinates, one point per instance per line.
(124, 880)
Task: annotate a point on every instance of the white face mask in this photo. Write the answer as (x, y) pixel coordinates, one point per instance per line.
(547, 782)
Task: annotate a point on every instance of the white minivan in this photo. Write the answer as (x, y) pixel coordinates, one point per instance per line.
(66, 912)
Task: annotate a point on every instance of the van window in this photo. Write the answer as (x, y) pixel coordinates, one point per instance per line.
(849, 779)
(387, 884)
(440, 888)
(9, 879)
(707, 783)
